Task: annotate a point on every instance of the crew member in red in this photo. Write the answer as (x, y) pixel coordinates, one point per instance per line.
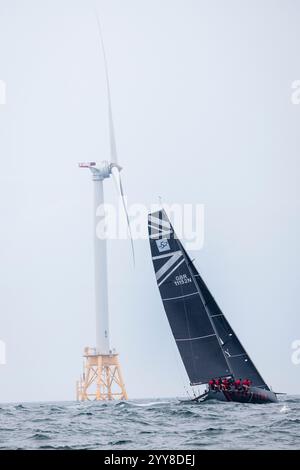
(218, 383)
(225, 384)
(237, 384)
(245, 384)
(248, 383)
(211, 384)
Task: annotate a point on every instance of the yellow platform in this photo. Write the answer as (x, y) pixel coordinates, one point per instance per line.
(101, 378)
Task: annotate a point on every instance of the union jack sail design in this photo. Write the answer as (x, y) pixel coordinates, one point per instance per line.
(207, 344)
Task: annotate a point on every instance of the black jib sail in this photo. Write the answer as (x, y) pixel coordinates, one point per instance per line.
(207, 344)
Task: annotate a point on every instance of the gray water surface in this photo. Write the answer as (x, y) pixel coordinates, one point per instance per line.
(151, 424)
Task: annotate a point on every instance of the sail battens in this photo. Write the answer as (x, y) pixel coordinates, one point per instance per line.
(238, 359)
(181, 296)
(193, 339)
(187, 314)
(196, 321)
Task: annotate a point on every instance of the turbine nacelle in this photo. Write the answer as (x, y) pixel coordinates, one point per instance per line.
(100, 170)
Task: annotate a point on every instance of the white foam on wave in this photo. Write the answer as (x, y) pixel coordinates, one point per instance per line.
(284, 409)
(151, 403)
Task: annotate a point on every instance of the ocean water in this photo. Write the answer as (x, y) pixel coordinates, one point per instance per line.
(151, 424)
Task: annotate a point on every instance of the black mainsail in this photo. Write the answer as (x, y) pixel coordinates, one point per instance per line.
(207, 344)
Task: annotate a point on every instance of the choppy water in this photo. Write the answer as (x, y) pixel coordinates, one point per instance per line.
(149, 424)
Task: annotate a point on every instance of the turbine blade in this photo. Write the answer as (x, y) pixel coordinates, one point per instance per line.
(117, 178)
(112, 138)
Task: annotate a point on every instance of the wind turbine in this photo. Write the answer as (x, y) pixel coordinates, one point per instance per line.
(102, 377)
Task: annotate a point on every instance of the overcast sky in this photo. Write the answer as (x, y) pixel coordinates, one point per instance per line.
(201, 94)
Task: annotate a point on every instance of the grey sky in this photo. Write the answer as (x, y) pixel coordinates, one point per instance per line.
(201, 95)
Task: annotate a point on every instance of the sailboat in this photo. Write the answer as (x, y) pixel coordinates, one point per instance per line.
(208, 346)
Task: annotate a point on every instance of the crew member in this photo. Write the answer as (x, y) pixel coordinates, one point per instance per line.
(237, 384)
(218, 383)
(230, 383)
(225, 384)
(211, 384)
(245, 384)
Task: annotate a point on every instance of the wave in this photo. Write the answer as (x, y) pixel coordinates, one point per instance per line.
(120, 442)
(151, 424)
(39, 436)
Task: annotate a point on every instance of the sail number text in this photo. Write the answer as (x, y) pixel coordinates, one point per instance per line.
(182, 279)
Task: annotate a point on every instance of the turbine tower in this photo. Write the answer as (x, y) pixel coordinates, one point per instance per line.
(102, 378)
